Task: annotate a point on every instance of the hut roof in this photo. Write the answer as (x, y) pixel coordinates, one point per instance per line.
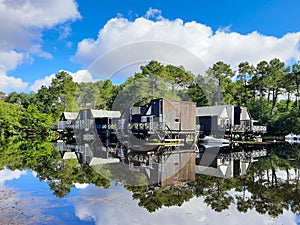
(219, 111)
(105, 113)
(210, 171)
(245, 115)
(70, 115)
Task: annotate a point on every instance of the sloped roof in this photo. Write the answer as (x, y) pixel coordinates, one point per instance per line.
(212, 111)
(245, 115)
(105, 113)
(220, 171)
(70, 115)
(210, 171)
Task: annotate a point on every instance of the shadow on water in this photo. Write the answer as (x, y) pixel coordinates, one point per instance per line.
(268, 184)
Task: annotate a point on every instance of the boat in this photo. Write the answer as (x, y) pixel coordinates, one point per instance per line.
(292, 136)
(211, 141)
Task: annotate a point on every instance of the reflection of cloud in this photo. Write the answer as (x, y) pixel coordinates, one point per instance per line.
(125, 210)
(6, 175)
(81, 186)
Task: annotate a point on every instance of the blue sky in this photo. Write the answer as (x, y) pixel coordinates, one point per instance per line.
(38, 39)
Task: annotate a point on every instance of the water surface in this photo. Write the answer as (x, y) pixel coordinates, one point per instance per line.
(38, 187)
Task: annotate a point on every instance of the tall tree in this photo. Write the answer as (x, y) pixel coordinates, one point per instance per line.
(245, 73)
(277, 72)
(289, 87)
(296, 81)
(223, 73)
(178, 76)
(197, 95)
(154, 71)
(65, 88)
(106, 95)
(259, 79)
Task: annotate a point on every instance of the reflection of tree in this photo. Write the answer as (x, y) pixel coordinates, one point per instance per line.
(217, 196)
(153, 199)
(44, 159)
(214, 190)
(261, 189)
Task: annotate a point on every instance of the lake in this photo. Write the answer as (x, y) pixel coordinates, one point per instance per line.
(38, 187)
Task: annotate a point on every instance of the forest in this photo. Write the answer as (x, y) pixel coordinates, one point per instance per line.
(270, 90)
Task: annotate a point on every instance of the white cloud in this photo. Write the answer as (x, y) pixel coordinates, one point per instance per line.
(9, 83)
(154, 13)
(81, 76)
(199, 39)
(21, 29)
(116, 201)
(39, 13)
(81, 186)
(46, 81)
(78, 76)
(6, 175)
(9, 60)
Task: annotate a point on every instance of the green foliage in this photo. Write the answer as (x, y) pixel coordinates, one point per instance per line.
(36, 121)
(223, 74)
(154, 81)
(259, 87)
(21, 99)
(10, 119)
(45, 160)
(285, 122)
(16, 120)
(46, 99)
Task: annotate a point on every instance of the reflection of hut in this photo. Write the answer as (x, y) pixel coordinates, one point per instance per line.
(226, 165)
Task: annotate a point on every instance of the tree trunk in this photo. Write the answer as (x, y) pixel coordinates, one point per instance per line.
(274, 177)
(288, 101)
(246, 94)
(269, 95)
(274, 100)
(297, 97)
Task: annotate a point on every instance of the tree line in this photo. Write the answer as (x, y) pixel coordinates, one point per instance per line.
(270, 90)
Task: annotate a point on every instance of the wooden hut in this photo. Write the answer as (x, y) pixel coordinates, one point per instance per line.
(222, 119)
(163, 123)
(66, 121)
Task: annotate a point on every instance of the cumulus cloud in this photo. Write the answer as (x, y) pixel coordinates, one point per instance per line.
(196, 211)
(8, 61)
(78, 76)
(199, 39)
(10, 83)
(81, 76)
(46, 81)
(6, 175)
(21, 29)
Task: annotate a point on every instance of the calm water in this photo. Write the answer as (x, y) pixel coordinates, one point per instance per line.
(38, 187)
